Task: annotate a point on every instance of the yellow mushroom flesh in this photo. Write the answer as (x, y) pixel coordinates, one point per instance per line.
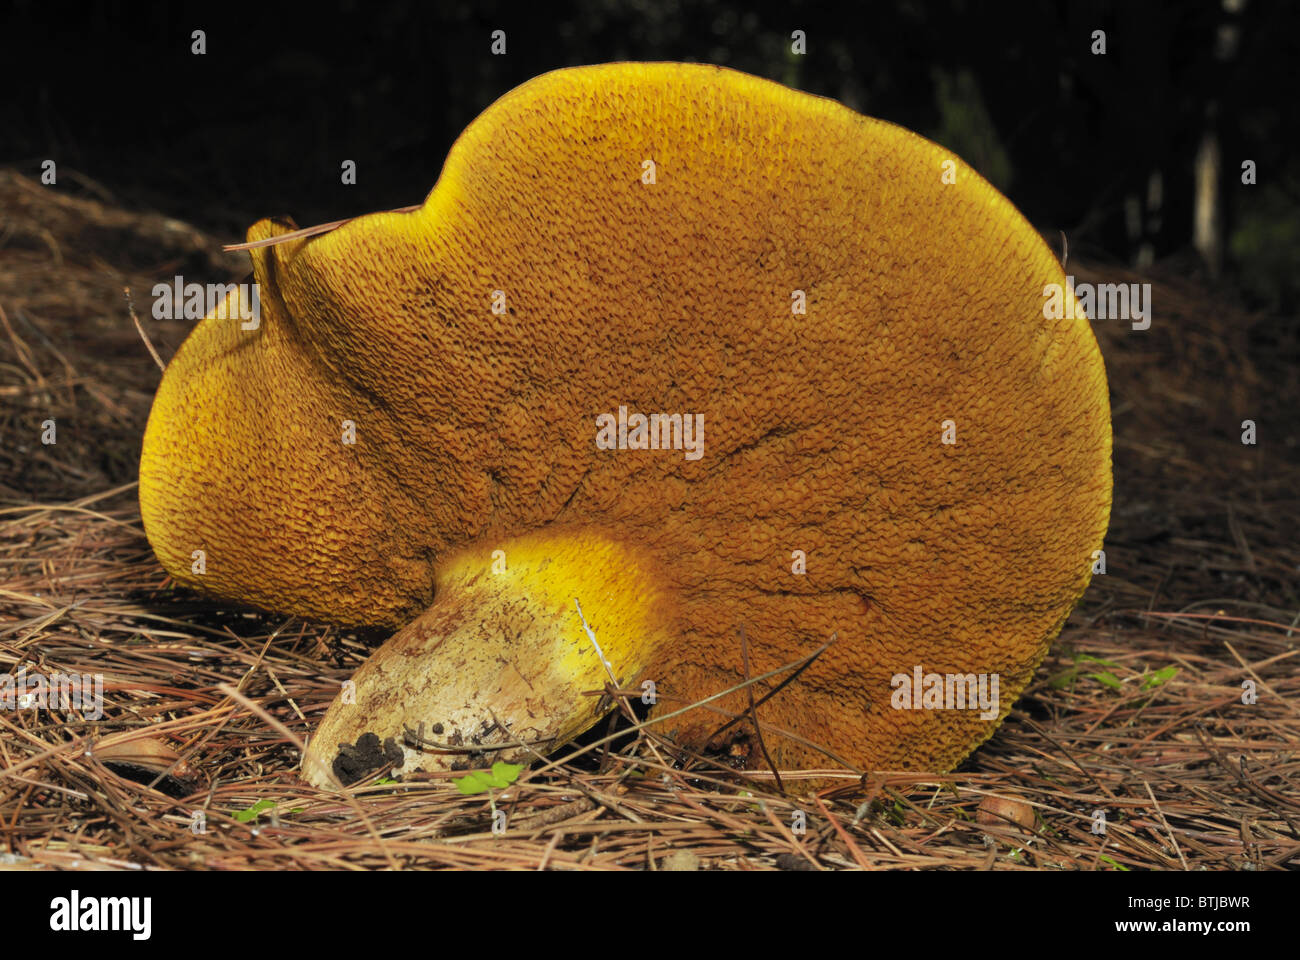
(824, 430)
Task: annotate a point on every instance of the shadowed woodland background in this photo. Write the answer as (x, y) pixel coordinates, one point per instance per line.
(261, 123)
(162, 156)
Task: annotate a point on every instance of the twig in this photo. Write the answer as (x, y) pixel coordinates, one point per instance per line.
(130, 306)
(753, 711)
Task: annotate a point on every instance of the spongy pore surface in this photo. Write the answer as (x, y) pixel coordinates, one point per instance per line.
(822, 431)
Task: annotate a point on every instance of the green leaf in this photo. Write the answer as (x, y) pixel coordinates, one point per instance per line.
(480, 781)
(505, 773)
(1098, 660)
(1159, 677)
(252, 813)
(1067, 678)
(476, 782)
(1117, 866)
(1109, 679)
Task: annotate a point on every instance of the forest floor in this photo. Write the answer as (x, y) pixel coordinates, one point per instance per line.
(1137, 711)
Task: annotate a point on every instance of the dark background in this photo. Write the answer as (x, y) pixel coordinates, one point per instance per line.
(261, 123)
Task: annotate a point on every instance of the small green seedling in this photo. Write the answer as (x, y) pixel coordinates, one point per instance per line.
(257, 809)
(480, 781)
(253, 812)
(1109, 679)
(1067, 678)
(1159, 677)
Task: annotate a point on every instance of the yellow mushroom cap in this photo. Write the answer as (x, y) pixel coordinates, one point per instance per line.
(924, 291)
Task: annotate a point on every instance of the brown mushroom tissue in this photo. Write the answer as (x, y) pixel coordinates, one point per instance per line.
(668, 353)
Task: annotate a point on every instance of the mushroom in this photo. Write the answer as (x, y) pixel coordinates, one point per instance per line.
(917, 464)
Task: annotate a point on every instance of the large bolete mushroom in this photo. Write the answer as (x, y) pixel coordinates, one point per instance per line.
(900, 449)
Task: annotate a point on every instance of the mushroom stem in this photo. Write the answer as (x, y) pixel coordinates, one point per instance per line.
(503, 640)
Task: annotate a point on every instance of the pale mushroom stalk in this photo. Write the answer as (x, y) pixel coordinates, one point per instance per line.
(503, 656)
